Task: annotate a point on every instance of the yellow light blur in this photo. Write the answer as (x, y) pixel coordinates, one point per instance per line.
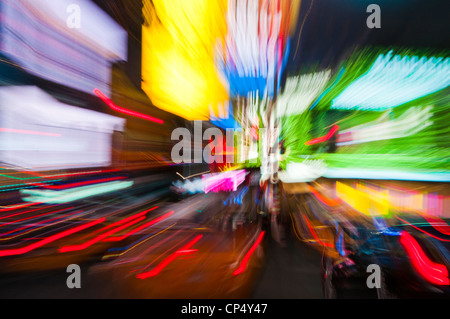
(178, 43)
(369, 204)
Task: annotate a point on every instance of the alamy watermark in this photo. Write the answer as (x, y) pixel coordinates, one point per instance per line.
(73, 280)
(374, 19)
(73, 20)
(374, 279)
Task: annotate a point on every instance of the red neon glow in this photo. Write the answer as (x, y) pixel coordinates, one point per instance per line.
(313, 232)
(438, 224)
(134, 219)
(245, 260)
(120, 222)
(36, 224)
(126, 111)
(99, 237)
(182, 251)
(4, 209)
(433, 272)
(42, 242)
(27, 211)
(154, 221)
(441, 239)
(12, 130)
(323, 138)
(326, 201)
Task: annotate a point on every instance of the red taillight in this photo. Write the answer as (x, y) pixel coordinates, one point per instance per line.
(435, 273)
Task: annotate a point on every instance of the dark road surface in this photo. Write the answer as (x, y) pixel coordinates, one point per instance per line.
(291, 272)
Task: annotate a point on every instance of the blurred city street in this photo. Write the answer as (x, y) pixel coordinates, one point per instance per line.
(224, 149)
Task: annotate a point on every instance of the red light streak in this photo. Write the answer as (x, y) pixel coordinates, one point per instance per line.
(36, 224)
(12, 130)
(99, 237)
(433, 272)
(323, 138)
(21, 213)
(154, 221)
(42, 242)
(182, 251)
(134, 219)
(245, 260)
(4, 209)
(311, 229)
(441, 239)
(32, 217)
(326, 201)
(438, 224)
(126, 111)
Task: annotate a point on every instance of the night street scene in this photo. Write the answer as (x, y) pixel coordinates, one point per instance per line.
(245, 150)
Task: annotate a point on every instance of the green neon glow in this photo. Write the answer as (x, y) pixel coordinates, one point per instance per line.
(393, 80)
(65, 196)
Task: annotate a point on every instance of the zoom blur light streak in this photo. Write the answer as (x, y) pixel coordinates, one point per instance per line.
(84, 183)
(178, 71)
(225, 181)
(186, 249)
(126, 111)
(75, 137)
(91, 242)
(377, 174)
(327, 201)
(392, 81)
(138, 229)
(438, 224)
(29, 228)
(128, 221)
(412, 121)
(37, 176)
(11, 130)
(14, 207)
(65, 196)
(35, 36)
(421, 201)
(314, 234)
(300, 91)
(225, 119)
(422, 231)
(33, 217)
(256, 47)
(21, 213)
(323, 138)
(433, 272)
(47, 240)
(363, 202)
(243, 265)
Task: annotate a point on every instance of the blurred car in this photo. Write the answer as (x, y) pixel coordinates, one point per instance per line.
(413, 256)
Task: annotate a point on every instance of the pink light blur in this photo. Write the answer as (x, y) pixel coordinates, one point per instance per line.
(225, 181)
(12, 130)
